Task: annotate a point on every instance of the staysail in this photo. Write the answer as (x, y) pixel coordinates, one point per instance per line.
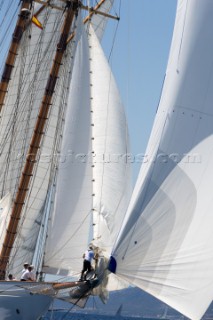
(91, 188)
(165, 244)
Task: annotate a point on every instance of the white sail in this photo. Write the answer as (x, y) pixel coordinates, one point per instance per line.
(165, 245)
(69, 227)
(18, 118)
(92, 190)
(111, 171)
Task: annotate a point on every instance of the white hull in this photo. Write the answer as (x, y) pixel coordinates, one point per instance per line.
(19, 304)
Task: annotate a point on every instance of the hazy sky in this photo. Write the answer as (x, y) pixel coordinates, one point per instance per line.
(139, 62)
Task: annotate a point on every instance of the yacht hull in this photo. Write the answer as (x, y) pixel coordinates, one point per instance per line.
(17, 303)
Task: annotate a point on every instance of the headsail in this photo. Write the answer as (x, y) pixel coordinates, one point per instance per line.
(94, 186)
(165, 245)
(69, 226)
(112, 171)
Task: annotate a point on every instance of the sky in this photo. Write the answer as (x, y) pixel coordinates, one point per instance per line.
(139, 60)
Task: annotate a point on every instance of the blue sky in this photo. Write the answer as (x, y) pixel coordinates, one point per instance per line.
(139, 62)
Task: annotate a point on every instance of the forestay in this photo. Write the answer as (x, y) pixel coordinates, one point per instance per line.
(166, 243)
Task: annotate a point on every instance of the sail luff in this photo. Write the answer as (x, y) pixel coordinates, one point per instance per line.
(72, 8)
(12, 53)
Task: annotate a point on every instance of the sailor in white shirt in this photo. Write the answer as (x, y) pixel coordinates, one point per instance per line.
(28, 275)
(26, 265)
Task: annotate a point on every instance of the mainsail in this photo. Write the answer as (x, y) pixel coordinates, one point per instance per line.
(165, 245)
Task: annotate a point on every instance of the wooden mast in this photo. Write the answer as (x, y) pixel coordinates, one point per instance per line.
(71, 9)
(17, 36)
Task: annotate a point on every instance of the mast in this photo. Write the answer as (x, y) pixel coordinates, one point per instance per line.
(72, 7)
(17, 36)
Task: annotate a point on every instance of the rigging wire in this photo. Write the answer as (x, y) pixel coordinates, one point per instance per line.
(115, 33)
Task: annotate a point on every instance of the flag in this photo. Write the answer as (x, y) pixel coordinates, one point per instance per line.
(36, 22)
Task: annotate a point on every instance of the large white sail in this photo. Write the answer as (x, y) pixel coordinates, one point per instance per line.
(165, 245)
(18, 118)
(111, 171)
(69, 227)
(92, 190)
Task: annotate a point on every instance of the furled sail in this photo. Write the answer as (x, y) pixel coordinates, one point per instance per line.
(91, 189)
(165, 244)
